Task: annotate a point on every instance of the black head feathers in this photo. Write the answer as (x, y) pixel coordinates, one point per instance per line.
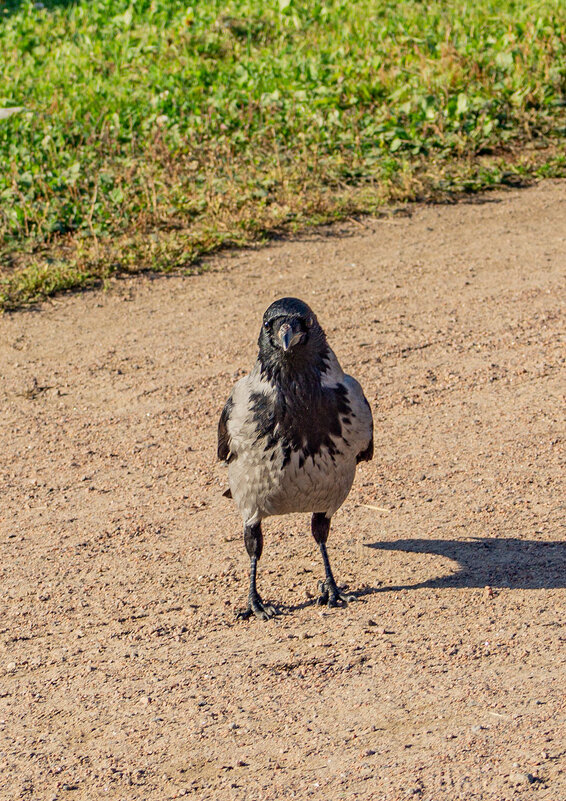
(289, 307)
(291, 340)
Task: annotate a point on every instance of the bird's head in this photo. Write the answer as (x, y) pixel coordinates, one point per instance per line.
(291, 336)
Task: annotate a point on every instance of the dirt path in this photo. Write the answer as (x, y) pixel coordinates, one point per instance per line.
(123, 674)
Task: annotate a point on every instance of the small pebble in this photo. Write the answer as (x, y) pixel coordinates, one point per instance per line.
(11, 666)
(521, 778)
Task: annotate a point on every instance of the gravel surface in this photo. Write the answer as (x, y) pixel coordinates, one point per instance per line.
(123, 672)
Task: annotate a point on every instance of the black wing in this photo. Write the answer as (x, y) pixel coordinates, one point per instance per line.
(367, 455)
(223, 436)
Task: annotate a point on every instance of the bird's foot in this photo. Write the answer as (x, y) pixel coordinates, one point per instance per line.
(330, 595)
(257, 607)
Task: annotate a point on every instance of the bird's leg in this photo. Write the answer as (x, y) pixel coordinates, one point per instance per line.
(253, 539)
(330, 594)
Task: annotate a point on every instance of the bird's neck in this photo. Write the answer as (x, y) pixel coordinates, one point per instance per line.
(295, 372)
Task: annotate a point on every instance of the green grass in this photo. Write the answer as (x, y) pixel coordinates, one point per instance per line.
(155, 132)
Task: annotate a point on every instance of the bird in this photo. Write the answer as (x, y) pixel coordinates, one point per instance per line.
(292, 432)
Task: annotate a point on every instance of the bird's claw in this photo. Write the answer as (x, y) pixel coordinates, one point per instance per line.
(257, 607)
(331, 596)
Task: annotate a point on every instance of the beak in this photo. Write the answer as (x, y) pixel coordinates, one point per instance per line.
(288, 336)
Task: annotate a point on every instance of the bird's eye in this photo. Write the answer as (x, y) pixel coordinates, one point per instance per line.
(266, 324)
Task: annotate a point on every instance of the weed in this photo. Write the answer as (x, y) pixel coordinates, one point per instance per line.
(151, 133)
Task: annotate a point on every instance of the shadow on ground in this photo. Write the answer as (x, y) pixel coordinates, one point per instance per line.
(513, 563)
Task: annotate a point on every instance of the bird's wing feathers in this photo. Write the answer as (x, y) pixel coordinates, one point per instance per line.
(367, 454)
(361, 412)
(237, 426)
(224, 451)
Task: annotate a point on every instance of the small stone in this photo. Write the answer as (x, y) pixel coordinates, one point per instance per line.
(488, 592)
(11, 666)
(369, 752)
(145, 700)
(233, 726)
(521, 778)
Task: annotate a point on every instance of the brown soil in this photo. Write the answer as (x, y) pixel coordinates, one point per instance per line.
(123, 672)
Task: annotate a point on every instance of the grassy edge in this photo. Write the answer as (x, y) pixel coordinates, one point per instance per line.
(78, 265)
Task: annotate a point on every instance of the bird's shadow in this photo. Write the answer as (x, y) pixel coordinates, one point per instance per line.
(510, 563)
(497, 563)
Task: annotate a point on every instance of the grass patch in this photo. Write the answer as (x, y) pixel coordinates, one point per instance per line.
(154, 132)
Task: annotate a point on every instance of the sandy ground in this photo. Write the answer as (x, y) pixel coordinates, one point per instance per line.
(123, 672)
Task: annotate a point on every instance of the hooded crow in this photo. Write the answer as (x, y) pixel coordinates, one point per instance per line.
(292, 432)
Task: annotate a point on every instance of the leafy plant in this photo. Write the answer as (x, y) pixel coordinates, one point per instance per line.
(150, 133)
